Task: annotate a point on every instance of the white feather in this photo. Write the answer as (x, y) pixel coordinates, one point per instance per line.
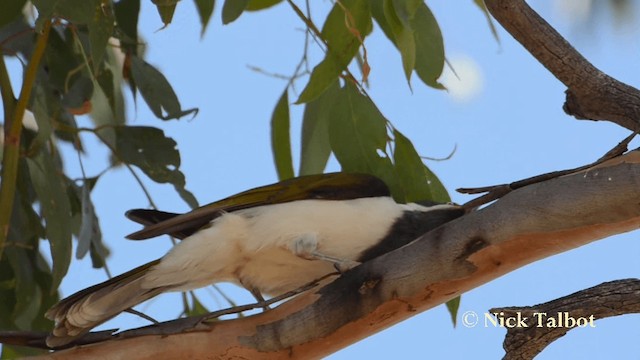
(255, 247)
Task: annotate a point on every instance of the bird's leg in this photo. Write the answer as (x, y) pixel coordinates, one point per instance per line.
(306, 247)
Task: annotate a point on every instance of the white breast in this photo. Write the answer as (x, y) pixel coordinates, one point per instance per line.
(252, 246)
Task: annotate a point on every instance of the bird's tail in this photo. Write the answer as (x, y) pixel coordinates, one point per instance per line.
(77, 314)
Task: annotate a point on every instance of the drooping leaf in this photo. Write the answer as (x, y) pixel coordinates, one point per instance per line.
(343, 33)
(127, 13)
(315, 145)
(11, 11)
(416, 180)
(281, 139)
(100, 28)
(95, 14)
(54, 203)
(78, 94)
(195, 308)
(90, 228)
(166, 8)
(74, 11)
(156, 91)
(26, 290)
(61, 59)
(232, 9)
(399, 16)
(429, 46)
(155, 154)
(256, 5)
(42, 115)
(453, 306)
(485, 11)
(205, 10)
(358, 133)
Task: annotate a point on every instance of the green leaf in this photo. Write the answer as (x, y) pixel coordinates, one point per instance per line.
(127, 13)
(485, 11)
(453, 306)
(280, 138)
(79, 92)
(357, 132)
(232, 9)
(26, 292)
(205, 10)
(90, 227)
(74, 11)
(256, 5)
(343, 43)
(156, 155)
(400, 24)
(156, 91)
(415, 179)
(196, 307)
(429, 46)
(42, 114)
(11, 11)
(54, 204)
(315, 145)
(166, 8)
(100, 28)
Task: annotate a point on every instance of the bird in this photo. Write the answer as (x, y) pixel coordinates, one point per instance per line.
(270, 240)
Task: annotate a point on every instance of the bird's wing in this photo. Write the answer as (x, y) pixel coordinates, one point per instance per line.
(333, 186)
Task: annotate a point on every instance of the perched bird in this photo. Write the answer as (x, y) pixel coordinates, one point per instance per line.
(270, 240)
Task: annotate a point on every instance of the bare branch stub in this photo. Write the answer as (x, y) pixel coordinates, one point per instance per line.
(591, 94)
(548, 322)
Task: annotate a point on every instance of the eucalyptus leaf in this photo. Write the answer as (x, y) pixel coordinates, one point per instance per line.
(54, 204)
(256, 5)
(358, 137)
(400, 25)
(166, 9)
(343, 33)
(417, 181)
(429, 45)
(281, 139)
(153, 153)
(315, 146)
(127, 13)
(205, 10)
(156, 91)
(11, 11)
(101, 28)
(453, 306)
(232, 9)
(90, 227)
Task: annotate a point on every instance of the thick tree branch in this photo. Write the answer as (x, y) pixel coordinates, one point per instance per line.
(591, 94)
(550, 321)
(526, 225)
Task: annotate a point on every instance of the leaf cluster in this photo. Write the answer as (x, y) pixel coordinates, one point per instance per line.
(81, 56)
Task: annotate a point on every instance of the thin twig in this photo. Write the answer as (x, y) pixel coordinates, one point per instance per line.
(497, 191)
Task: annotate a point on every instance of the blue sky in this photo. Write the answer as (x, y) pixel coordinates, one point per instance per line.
(513, 128)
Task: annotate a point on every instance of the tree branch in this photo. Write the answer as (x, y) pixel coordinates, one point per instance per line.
(13, 129)
(543, 321)
(526, 225)
(591, 94)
